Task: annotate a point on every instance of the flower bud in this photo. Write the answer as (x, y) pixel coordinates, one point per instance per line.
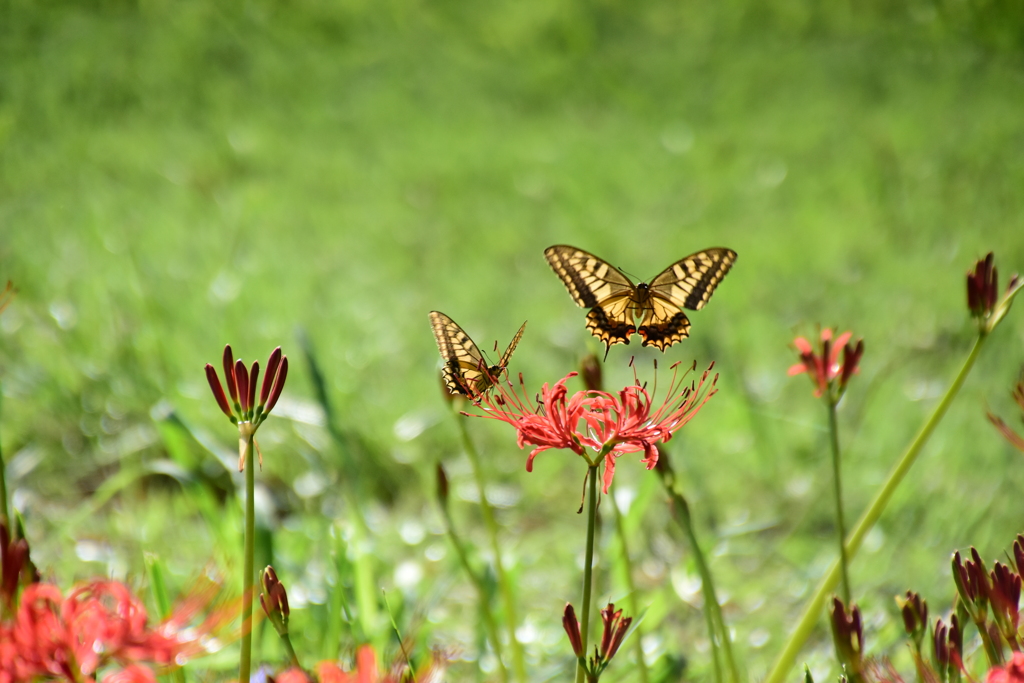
(848, 636)
(274, 600)
(229, 374)
(915, 616)
(572, 629)
(442, 485)
(590, 373)
(218, 391)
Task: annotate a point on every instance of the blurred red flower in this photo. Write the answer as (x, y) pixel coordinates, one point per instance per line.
(824, 368)
(98, 624)
(1012, 672)
(366, 671)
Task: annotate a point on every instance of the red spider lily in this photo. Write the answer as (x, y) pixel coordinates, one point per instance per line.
(99, 623)
(242, 387)
(1012, 672)
(608, 424)
(824, 368)
(246, 413)
(366, 671)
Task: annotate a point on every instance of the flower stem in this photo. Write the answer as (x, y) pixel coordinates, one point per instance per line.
(248, 569)
(508, 599)
(292, 659)
(833, 429)
(485, 603)
(716, 622)
(814, 608)
(627, 570)
(588, 566)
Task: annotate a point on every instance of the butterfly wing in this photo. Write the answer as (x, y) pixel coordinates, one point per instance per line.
(465, 371)
(596, 284)
(687, 283)
(507, 356)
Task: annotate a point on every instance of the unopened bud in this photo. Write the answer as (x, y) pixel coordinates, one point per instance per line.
(590, 373)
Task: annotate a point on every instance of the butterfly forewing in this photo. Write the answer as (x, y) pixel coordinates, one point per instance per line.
(590, 280)
(507, 356)
(690, 282)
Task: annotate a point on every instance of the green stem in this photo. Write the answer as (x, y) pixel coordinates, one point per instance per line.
(485, 603)
(367, 606)
(715, 619)
(993, 650)
(508, 599)
(627, 570)
(248, 569)
(812, 612)
(837, 483)
(292, 658)
(588, 566)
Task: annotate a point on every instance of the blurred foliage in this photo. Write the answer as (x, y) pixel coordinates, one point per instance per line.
(178, 175)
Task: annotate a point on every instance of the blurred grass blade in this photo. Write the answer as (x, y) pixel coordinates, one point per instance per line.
(358, 462)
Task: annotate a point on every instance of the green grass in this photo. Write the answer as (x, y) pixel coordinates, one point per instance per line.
(175, 176)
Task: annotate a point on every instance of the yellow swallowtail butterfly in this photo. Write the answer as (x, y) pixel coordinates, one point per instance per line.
(465, 369)
(615, 303)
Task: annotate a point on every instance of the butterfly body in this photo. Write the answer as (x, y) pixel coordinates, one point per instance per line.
(465, 369)
(617, 305)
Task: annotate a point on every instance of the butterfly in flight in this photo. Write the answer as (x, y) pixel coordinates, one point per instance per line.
(465, 369)
(615, 303)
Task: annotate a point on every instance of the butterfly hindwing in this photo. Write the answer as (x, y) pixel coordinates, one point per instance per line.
(465, 369)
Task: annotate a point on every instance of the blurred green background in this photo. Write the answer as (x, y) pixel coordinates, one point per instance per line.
(175, 176)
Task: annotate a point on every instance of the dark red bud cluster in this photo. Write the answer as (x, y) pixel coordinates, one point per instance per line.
(615, 628)
(1005, 600)
(997, 593)
(948, 643)
(972, 583)
(982, 287)
(848, 636)
(242, 386)
(915, 616)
